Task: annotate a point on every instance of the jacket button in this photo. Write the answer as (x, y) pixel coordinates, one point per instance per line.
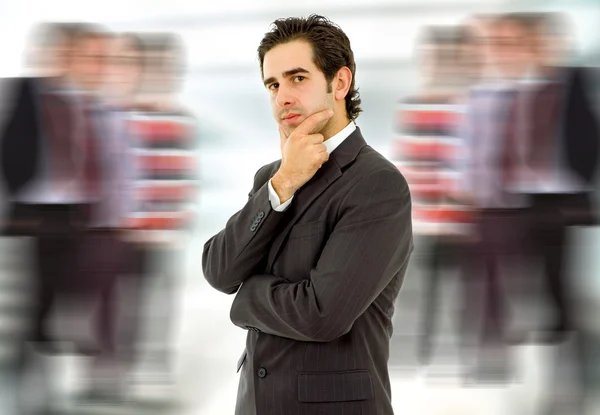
(261, 214)
(253, 227)
(262, 373)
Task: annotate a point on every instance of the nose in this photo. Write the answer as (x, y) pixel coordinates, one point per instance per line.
(284, 97)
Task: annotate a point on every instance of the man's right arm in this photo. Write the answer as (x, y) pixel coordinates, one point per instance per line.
(239, 250)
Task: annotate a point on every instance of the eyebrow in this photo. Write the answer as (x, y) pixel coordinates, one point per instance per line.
(286, 74)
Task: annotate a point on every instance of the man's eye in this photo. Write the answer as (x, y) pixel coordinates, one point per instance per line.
(299, 78)
(273, 87)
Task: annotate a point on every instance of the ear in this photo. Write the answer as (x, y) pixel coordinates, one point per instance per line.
(341, 83)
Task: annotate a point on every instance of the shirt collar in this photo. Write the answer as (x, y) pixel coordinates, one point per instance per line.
(339, 138)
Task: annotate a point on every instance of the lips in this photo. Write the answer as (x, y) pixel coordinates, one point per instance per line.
(290, 118)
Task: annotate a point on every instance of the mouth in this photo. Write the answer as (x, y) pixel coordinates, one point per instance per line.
(290, 118)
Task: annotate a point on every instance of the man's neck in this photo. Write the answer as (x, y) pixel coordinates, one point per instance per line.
(336, 127)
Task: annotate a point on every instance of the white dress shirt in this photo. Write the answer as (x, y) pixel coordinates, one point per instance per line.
(331, 145)
(484, 137)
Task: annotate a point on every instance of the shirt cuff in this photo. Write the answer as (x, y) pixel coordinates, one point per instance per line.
(275, 202)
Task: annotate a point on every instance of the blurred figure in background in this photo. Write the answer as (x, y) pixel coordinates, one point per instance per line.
(48, 167)
(427, 154)
(475, 61)
(491, 136)
(105, 256)
(163, 144)
(559, 160)
(73, 316)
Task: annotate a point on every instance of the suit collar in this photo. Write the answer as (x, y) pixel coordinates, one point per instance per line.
(348, 150)
(335, 141)
(341, 157)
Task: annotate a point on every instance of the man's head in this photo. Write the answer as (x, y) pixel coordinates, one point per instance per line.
(476, 45)
(49, 50)
(307, 66)
(439, 53)
(512, 44)
(163, 63)
(554, 39)
(125, 67)
(88, 61)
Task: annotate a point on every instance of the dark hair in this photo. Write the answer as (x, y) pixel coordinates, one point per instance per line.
(525, 20)
(169, 42)
(81, 32)
(331, 49)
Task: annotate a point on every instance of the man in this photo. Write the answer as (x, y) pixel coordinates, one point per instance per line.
(104, 255)
(42, 171)
(560, 162)
(113, 81)
(318, 254)
(491, 127)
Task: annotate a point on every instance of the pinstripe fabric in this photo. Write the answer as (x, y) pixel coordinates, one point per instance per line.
(316, 286)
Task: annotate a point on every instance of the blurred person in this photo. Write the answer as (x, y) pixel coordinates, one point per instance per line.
(110, 80)
(317, 255)
(427, 154)
(491, 131)
(122, 83)
(163, 143)
(475, 50)
(561, 142)
(105, 257)
(561, 160)
(42, 169)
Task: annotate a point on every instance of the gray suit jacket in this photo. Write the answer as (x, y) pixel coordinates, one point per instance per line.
(316, 286)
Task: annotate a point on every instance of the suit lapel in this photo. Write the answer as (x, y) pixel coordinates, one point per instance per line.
(328, 174)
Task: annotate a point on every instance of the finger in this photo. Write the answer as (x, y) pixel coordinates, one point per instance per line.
(311, 122)
(323, 149)
(321, 159)
(314, 139)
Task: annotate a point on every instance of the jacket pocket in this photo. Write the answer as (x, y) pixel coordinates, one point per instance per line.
(347, 386)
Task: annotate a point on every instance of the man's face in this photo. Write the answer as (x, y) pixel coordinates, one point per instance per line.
(511, 48)
(551, 50)
(123, 73)
(296, 86)
(476, 51)
(88, 63)
(50, 59)
(160, 74)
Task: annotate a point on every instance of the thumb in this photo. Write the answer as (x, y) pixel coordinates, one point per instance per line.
(282, 135)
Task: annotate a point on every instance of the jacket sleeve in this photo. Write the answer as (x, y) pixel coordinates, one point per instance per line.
(368, 247)
(240, 250)
(584, 132)
(18, 139)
